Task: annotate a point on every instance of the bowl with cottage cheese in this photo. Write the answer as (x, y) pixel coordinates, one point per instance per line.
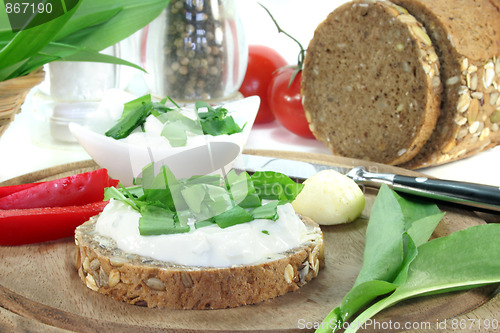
(127, 133)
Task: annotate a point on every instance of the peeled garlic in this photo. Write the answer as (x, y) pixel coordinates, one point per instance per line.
(330, 197)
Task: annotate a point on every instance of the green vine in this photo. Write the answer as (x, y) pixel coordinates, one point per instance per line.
(302, 53)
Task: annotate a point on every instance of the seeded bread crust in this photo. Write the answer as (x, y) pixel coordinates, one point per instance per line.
(147, 282)
(370, 86)
(466, 36)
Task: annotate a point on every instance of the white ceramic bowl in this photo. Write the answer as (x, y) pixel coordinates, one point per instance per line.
(125, 161)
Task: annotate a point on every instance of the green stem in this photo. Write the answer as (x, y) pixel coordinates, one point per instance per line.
(370, 312)
(301, 56)
(332, 322)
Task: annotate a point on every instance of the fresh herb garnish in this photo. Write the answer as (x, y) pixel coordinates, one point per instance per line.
(267, 211)
(134, 115)
(156, 220)
(275, 186)
(177, 126)
(242, 190)
(201, 224)
(215, 121)
(235, 215)
(167, 204)
(400, 263)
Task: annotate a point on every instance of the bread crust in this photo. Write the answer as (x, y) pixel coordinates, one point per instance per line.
(466, 36)
(370, 85)
(147, 282)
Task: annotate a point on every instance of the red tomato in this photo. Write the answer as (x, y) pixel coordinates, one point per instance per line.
(286, 102)
(262, 62)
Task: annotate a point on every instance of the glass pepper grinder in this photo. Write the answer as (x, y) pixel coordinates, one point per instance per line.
(195, 50)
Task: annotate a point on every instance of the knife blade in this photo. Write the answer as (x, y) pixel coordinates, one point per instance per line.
(479, 196)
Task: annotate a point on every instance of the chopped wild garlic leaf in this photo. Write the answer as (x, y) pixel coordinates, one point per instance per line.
(234, 216)
(215, 121)
(267, 211)
(166, 203)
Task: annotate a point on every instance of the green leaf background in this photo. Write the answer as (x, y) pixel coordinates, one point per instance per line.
(78, 35)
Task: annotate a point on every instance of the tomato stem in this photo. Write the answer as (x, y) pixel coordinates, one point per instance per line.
(302, 53)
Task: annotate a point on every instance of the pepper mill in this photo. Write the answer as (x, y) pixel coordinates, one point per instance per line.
(195, 50)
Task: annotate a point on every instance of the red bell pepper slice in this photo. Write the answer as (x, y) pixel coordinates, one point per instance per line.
(74, 190)
(6, 190)
(25, 226)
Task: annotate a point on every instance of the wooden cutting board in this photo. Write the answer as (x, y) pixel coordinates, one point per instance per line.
(41, 291)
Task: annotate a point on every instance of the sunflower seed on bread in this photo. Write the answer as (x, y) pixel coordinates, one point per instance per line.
(148, 282)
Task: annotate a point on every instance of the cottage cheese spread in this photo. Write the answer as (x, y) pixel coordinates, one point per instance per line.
(210, 246)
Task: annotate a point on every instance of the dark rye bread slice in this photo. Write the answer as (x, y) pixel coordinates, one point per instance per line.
(148, 282)
(466, 36)
(370, 86)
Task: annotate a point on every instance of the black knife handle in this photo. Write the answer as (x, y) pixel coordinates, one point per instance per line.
(484, 197)
(475, 195)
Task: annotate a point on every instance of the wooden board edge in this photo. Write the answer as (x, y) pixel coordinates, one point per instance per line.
(36, 176)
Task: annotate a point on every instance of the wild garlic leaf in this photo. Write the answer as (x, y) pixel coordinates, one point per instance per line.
(216, 121)
(205, 223)
(134, 114)
(389, 250)
(156, 220)
(129, 122)
(421, 218)
(194, 196)
(267, 211)
(271, 185)
(233, 216)
(204, 199)
(178, 126)
(465, 259)
(88, 18)
(114, 193)
(65, 52)
(162, 188)
(362, 295)
(384, 252)
(90, 27)
(242, 190)
(129, 17)
(392, 216)
(26, 43)
(132, 105)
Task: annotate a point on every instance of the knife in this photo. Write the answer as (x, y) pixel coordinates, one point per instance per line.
(483, 197)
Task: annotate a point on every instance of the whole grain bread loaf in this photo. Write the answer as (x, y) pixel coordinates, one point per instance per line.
(371, 87)
(466, 36)
(354, 121)
(148, 282)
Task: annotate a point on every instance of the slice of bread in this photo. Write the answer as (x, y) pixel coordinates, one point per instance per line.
(357, 93)
(147, 282)
(371, 87)
(466, 36)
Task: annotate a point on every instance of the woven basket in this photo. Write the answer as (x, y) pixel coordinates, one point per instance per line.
(12, 95)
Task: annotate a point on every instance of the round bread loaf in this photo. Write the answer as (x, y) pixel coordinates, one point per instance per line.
(148, 282)
(466, 36)
(371, 86)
